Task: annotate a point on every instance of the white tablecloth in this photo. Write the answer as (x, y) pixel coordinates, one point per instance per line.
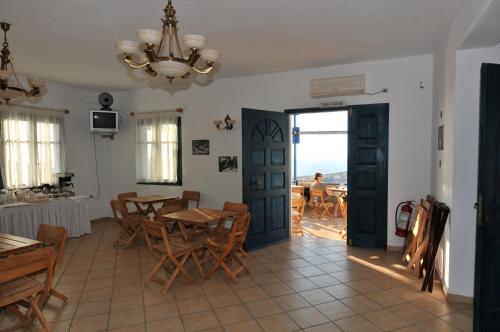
(23, 220)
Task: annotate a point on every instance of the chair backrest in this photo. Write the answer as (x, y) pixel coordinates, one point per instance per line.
(240, 208)
(298, 204)
(298, 189)
(55, 236)
(159, 231)
(123, 196)
(239, 230)
(192, 196)
(316, 196)
(16, 266)
(119, 209)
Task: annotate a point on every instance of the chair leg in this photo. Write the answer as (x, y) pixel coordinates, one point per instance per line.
(39, 315)
(198, 263)
(179, 269)
(59, 295)
(155, 270)
(218, 261)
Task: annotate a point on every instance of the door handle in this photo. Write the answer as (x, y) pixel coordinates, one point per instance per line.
(479, 208)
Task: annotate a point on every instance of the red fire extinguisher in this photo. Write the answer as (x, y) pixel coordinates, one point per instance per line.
(403, 219)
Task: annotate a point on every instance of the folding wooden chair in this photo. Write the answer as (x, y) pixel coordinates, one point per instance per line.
(343, 212)
(138, 209)
(130, 224)
(223, 247)
(318, 203)
(298, 206)
(171, 206)
(16, 286)
(56, 237)
(169, 249)
(192, 196)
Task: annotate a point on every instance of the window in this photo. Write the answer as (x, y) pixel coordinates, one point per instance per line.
(158, 148)
(322, 147)
(32, 148)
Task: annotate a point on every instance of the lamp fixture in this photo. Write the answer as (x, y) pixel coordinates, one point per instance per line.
(228, 123)
(170, 62)
(11, 89)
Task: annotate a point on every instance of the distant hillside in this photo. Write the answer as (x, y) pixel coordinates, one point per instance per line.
(337, 177)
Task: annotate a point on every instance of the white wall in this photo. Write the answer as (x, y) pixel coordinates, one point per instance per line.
(467, 92)
(410, 119)
(79, 147)
(444, 186)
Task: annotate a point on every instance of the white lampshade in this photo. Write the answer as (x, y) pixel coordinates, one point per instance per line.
(209, 55)
(170, 68)
(149, 36)
(127, 46)
(141, 58)
(4, 74)
(36, 82)
(194, 41)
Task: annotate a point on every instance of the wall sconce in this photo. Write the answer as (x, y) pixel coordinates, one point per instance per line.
(228, 123)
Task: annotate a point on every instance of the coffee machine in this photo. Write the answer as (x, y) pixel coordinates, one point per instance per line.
(66, 187)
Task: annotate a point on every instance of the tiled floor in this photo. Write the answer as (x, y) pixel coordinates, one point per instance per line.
(312, 283)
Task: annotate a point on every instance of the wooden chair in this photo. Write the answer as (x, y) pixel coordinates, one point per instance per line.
(298, 190)
(343, 212)
(223, 248)
(298, 206)
(169, 249)
(318, 203)
(241, 208)
(16, 286)
(56, 237)
(123, 196)
(192, 196)
(171, 206)
(130, 224)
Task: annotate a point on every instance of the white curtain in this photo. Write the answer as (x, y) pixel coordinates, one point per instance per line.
(32, 146)
(156, 147)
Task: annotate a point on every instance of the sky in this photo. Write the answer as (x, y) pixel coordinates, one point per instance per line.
(319, 152)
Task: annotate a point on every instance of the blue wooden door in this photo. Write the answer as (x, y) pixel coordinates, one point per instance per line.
(367, 175)
(487, 274)
(266, 177)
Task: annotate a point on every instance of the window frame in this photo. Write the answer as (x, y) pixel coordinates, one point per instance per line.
(179, 161)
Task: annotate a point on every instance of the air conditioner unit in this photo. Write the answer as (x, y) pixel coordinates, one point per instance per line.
(337, 86)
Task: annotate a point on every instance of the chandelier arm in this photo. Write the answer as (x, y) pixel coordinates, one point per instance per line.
(207, 69)
(17, 79)
(162, 39)
(179, 49)
(127, 58)
(193, 57)
(170, 41)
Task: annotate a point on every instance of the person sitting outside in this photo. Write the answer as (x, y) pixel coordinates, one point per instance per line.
(328, 195)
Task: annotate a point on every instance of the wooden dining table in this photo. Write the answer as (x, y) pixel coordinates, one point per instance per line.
(148, 201)
(12, 244)
(199, 218)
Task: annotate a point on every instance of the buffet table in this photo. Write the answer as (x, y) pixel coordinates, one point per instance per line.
(23, 219)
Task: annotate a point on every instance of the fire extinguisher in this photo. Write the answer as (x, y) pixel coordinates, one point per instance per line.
(403, 219)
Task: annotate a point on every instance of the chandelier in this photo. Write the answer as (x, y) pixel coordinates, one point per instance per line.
(11, 88)
(156, 58)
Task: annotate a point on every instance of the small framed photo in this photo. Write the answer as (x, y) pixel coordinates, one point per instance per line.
(441, 138)
(228, 164)
(201, 147)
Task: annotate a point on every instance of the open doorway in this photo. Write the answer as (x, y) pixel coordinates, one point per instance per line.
(319, 151)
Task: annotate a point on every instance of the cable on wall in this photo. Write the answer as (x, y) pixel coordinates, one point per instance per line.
(97, 171)
(384, 90)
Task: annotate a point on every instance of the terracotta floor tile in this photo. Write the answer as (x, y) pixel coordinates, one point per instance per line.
(251, 294)
(92, 308)
(300, 285)
(386, 320)
(340, 291)
(89, 324)
(356, 324)
(60, 312)
(247, 326)
(223, 300)
(126, 317)
(411, 313)
(307, 317)
(291, 302)
(278, 323)
(317, 296)
(279, 289)
(131, 328)
(385, 298)
(161, 311)
(324, 280)
(437, 325)
(200, 321)
(193, 305)
(328, 327)
(126, 302)
(335, 310)
(461, 319)
(263, 308)
(233, 314)
(174, 325)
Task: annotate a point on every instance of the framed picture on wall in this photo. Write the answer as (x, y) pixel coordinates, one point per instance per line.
(441, 138)
(201, 147)
(228, 164)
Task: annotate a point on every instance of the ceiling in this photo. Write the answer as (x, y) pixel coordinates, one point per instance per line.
(73, 41)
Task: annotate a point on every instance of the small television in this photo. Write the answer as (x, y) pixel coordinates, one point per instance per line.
(103, 121)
